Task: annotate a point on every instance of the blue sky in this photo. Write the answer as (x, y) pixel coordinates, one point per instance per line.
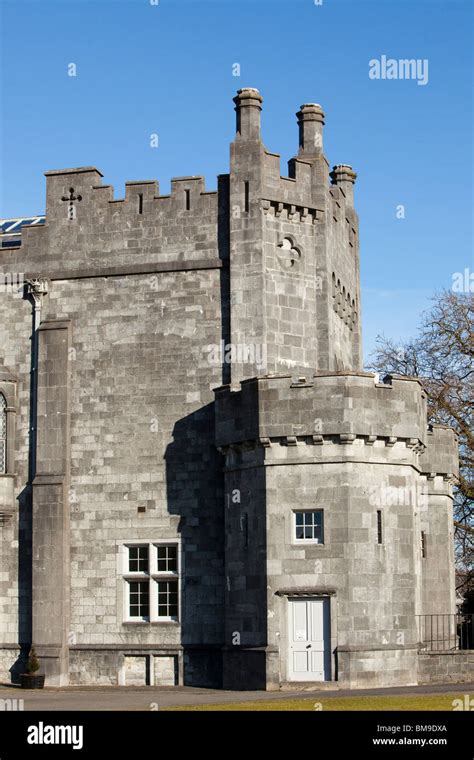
(168, 69)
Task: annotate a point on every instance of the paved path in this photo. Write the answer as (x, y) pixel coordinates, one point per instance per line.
(150, 697)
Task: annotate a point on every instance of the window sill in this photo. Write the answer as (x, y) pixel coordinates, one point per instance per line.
(307, 542)
(151, 622)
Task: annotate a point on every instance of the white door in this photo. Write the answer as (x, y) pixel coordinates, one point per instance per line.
(309, 638)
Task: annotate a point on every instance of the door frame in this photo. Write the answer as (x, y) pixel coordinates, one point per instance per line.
(329, 641)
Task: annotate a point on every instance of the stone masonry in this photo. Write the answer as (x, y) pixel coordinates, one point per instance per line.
(182, 376)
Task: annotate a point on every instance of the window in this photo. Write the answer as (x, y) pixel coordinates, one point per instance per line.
(138, 559)
(244, 527)
(151, 578)
(167, 559)
(379, 527)
(423, 544)
(309, 526)
(139, 599)
(168, 599)
(3, 434)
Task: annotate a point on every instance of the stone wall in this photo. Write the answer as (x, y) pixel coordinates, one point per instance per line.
(443, 667)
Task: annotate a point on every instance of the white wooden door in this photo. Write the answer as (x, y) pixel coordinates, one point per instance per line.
(309, 638)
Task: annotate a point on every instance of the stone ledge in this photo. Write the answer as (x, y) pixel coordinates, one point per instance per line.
(343, 439)
(377, 648)
(124, 648)
(449, 653)
(130, 269)
(242, 648)
(306, 591)
(76, 170)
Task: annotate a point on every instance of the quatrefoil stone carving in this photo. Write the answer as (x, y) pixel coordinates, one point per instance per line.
(287, 253)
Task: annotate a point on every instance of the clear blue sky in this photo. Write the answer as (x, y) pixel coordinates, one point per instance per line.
(167, 69)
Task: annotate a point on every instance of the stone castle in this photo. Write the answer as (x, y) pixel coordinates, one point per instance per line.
(198, 482)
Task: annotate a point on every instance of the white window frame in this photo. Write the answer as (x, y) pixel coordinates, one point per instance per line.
(307, 541)
(152, 577)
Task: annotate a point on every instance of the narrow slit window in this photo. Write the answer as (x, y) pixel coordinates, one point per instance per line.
(187, 195)
(3, 434)
(140, 203)
(247, 196)
(379, 527)
(244, 527)
(423, 544)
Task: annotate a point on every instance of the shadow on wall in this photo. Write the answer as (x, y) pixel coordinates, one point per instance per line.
(245, 653)
(25, 617)
(194, 483)
(25, 525)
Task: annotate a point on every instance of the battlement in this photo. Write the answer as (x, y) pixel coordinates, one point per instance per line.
(343, 405)
(87, 229)
(84, 220)
(441, 456)
(291, 242)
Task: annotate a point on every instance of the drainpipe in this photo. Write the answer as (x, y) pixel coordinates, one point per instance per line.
(36, 289)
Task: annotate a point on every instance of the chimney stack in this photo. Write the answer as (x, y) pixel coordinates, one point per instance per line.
(310, 121)
(248, 104)
(344, 177)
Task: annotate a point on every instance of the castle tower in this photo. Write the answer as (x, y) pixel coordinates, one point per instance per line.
(294, 254)
(327, 495)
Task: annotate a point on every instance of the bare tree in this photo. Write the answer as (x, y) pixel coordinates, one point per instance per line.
(442, 356)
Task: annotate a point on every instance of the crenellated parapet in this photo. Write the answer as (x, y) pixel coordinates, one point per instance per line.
(87, 229)
(441, 455)
(343, 408)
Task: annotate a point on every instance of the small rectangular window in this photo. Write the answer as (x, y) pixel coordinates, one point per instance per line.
(139, 599)
(138, 559)
(309, 526)
(379, 527)
(423, 544)
(167, 558)
(247, 196)
(140, 203)
(188, 199)
(168, 599)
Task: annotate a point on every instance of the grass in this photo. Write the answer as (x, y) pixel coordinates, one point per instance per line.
(398, 703)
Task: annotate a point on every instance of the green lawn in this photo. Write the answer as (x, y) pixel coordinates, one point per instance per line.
(396, 703)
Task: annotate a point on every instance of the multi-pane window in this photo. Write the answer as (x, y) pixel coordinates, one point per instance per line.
(139, 595)
(138, 559)
(168, 599)
(309, 526)
(3, 434)
(167, 558)
(151, 575)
